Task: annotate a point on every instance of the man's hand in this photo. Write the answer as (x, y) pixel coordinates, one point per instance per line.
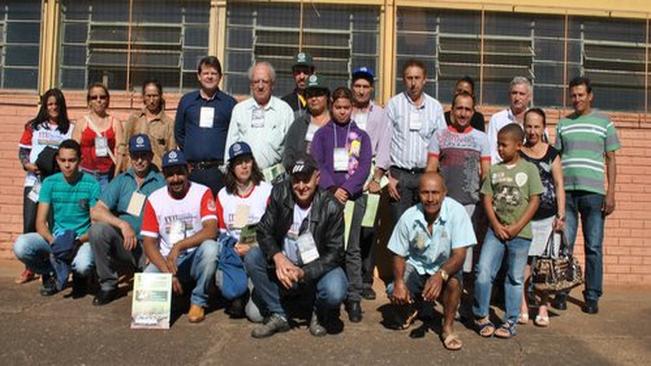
(559, 224)
(512, 230)
(32, 168)
(176, 285)
(401, 295)
(609, 204)
(242, 249)
(433, 287)
(393, 188)
(341, 195)
(286, 271)
(129, 236)
(374, 187)
(171, 259)
(500, 231)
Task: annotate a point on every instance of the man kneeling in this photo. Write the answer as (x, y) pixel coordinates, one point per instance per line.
(301, 238)
(429, 243)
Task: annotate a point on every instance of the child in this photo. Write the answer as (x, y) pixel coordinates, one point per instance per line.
(511, 197)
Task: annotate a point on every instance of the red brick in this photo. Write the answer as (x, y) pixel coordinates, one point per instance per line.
(630, 260)
(618, 268)
(611, 259)
(641, 269)
(630, 278)
(619, 251)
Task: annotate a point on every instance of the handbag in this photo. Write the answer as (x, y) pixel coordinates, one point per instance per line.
(46, 161)
(556, 272)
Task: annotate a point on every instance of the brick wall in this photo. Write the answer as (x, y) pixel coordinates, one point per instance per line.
(627, 246)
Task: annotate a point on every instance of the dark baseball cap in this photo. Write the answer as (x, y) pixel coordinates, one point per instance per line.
(239, 149)
(304, 166)
(363, 73)
(173, 158)
(139, 143)
(303, 59)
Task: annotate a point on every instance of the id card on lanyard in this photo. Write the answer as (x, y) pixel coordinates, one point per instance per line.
(206, 117)
(340, 154)
(101, 147)
(257, 117)
(415, 119)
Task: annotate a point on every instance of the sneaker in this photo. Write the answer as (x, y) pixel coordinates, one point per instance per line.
(317, 329)
(104, 297)
(196, 314)
(368, 294)
(49, 286)
(354, 310)
(25, 276)
(276, 323)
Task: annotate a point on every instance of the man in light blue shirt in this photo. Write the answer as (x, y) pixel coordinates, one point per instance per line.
(429, 244)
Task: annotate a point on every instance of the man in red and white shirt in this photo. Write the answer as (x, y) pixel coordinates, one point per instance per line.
(179, 227)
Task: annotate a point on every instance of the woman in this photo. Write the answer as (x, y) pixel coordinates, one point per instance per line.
(551, 212)
(152, 121)
(50, 126)
(301, 132)
(100, 137)
(343, 152)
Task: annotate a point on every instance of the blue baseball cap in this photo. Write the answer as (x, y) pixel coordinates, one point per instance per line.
(173, 158)
(139, 143)
(238, 149)
(363, 73)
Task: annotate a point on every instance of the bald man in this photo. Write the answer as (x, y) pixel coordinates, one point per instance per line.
(429, 244)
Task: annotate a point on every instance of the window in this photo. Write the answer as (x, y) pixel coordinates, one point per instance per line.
(19, 43)
(164, 40)
(339, 38)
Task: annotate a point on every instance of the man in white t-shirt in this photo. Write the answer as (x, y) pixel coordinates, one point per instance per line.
(179, 227)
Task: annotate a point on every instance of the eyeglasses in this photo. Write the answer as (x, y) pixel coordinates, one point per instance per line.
(98, 97)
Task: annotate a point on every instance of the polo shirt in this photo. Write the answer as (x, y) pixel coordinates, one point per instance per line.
(428, 252)
(117, 195)
(160, 131)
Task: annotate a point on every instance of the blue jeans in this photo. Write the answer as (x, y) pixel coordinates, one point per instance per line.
(329, 290)
(490, 260)
(198, 266)
(588, 205)
(35, 251)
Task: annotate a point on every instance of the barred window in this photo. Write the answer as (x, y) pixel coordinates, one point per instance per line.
(19, 43)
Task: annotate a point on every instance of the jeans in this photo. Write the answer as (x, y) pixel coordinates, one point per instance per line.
(329, 291)
(198, 266)
(211, 177)
(35, 251)
(354, 252)
(29, 212)
(490, 260)
(102, 178)
(108, 247)
(588, 205)
(408, 187)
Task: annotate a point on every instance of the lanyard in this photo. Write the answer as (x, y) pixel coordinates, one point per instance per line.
(334, 130)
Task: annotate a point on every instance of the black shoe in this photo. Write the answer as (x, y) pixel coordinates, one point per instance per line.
(273, 325)
(317, 326)
(560, 303)
(236, 309)
(368, 294)
(49, 286)
(104, 297)
(79, 286)
(590, 307)
(354, 310)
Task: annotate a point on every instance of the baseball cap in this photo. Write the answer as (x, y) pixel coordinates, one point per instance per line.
(304, 166)
(173, 158)
(238, 149)
(363, 73)
(316, 83)
(139, 143)
(303, 59)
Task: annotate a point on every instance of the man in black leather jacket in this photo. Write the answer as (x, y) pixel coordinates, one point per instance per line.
(301, 247)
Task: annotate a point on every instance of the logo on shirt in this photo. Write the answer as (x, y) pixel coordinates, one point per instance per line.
(521, 179)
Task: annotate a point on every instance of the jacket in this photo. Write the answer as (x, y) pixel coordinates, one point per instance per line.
(326, 225)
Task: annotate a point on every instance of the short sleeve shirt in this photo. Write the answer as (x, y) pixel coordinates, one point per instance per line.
(428, 252)
(230, 206)
(511, 187)
(70, 202)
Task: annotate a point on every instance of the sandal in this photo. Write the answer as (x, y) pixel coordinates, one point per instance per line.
(485, 327)
(451, 341)
(542, 321)
(523, 318)
(506, 330)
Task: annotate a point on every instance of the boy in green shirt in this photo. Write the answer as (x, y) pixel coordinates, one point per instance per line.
(511, 197)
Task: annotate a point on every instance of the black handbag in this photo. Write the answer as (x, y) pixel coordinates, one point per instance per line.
(556, 272)
(46, 161)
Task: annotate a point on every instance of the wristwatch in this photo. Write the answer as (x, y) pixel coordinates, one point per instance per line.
(444, 275)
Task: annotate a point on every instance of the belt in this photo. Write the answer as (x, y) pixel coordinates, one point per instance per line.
(206, 164)
(410, 171)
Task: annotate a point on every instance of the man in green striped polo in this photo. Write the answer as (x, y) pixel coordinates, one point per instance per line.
(587, 140)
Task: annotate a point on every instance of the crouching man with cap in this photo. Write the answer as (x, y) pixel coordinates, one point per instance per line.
(118, 216)
(179, 226)
(301, 248)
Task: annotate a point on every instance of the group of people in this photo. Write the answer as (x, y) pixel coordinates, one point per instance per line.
(291, 187)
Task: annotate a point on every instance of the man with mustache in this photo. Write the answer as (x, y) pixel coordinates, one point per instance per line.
(301, 71)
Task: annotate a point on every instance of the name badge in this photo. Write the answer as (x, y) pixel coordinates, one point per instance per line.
(257, 118)
(241, 216)
(135, 204)
(361, 119)
(307, 248)
(33, 194)
(420, 241)
(101, 147)
(340, 159)
(415, 120)
(207, 117)
(311, 130)
(177, 231)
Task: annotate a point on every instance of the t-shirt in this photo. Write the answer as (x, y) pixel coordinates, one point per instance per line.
(459, 156)
(231, 206)
(173, 220)
(70, 202)
(511, 187)
(548, 205)
(37, 139)
(582, 142)
(290, 247)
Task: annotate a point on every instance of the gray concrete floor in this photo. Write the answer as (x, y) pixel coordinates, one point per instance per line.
(59, 330)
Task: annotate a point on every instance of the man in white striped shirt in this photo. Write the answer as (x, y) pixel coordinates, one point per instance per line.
(413, 117)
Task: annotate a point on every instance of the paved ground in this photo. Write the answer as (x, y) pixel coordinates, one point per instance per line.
(59, 330)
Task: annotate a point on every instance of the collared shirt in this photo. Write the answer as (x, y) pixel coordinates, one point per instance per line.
(118, 194)
(204, 143)
(408, 145)
(160, 131)
(262, 127)
(497, 121)
(426, 251)
(374, 124)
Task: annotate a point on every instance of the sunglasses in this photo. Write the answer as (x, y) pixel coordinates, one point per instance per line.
(98, 97)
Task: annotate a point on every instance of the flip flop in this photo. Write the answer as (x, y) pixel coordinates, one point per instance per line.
(481, 327)
(541, 321)
(523, 318)
(451, 341)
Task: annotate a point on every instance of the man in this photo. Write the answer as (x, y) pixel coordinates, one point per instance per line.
(69, 195)
(467, 84)
(586, 139)
(118, 216)
(520, 94)
(262, 121)
(413, 117)
(371, 118)
(179, 227)
(301, 238)
(201, 125)
(301, 71)
(429, 245)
